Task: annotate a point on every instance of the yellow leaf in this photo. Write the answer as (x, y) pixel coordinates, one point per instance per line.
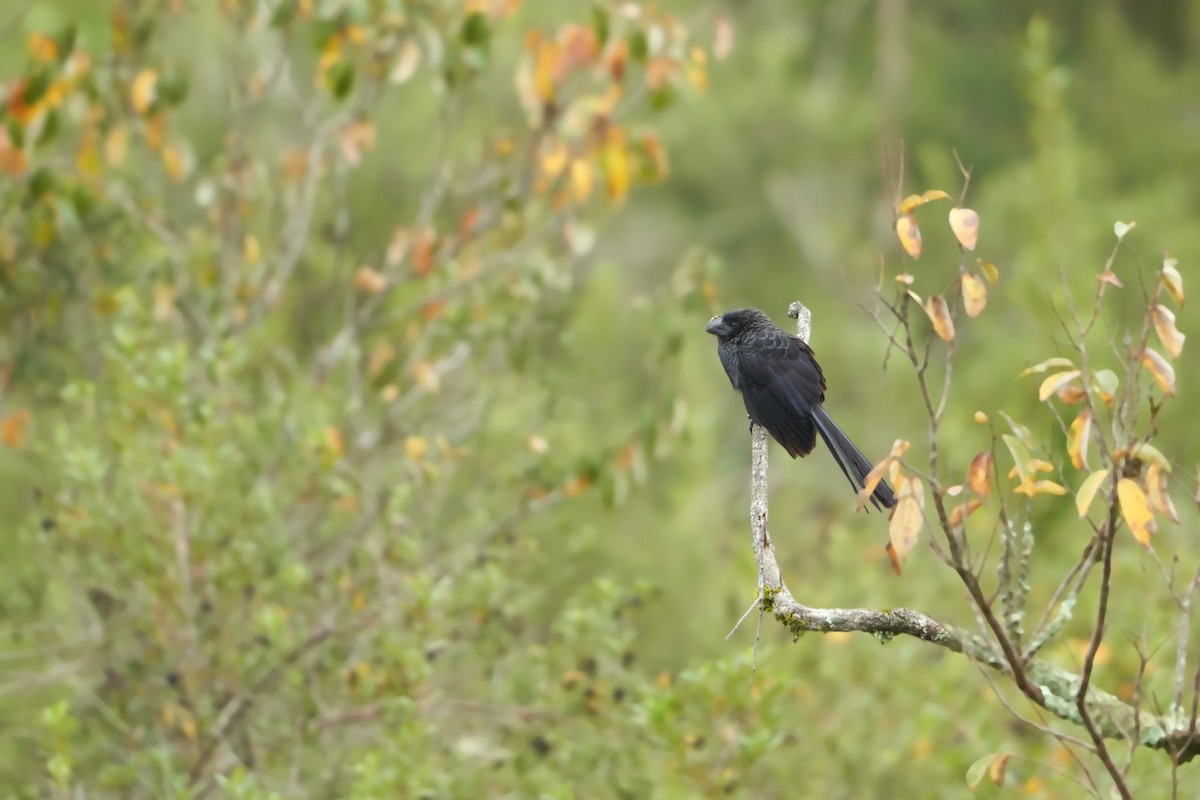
(116, 146)
(965, 224)
(1136, 511)
(1122, 228)
(974, 294)
(407, 61)
(547, 69)
(1049, 363)
(616, 170)
(1055, 382)
(538, 445)
(251, 249)
(581, 179)
(1162, 371)
(1168, 334)
(1144, 451)
(1049, 487)
(554, 159)
(989, 271)
(996, 768)
(369, 280)
(939, 314)
(1156, 489)
(909, 235)
(1078, 437)
(427, 376)
(907, 517)
(144, 91)
(913, 201)
(981, 417)
(1087, 491)
(175, 162)
(1172, 280)
(416, 447)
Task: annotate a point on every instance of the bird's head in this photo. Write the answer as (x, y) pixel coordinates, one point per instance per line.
(731, 323)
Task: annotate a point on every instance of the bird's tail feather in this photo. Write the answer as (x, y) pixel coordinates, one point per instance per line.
(854, 464)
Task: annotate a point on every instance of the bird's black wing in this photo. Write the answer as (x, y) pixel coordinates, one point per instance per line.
(781, 384)
(783, 388)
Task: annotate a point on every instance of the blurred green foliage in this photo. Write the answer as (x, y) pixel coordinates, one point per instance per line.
(361, 438)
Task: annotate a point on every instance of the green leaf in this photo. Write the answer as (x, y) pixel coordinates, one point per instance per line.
(475, 31)
(341, 79)
(600, 24)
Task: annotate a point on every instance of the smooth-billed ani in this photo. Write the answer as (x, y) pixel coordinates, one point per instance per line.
(783, 388)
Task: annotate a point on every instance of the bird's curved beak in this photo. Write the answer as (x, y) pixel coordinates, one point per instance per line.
(716, 325)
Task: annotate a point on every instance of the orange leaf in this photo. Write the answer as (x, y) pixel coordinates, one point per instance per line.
(899, 448)
(891, 551)
(1168, 334)
(369, 280)
(1136, 511)
(1055, 382)
(1163, 372)
(1077, 439)
(974, 294)
(939, 314)
(979, 476)
(334, 440)
(1087, 491)
(1171, 279)
(963, 510)
(12, 428)
(432, 310)
(907, 517)
(909, 235)
(965, 224)
(423, 253)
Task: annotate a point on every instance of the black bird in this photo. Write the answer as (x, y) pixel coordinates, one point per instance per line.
(783, 388)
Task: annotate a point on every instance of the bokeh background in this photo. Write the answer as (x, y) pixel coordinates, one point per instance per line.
(345, 455)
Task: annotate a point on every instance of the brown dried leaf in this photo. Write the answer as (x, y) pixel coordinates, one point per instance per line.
(369, 280)
(12, 428)
(1136, 511)
(1078, 438)
(979, 476)
(965, 224)
(1162, 371)
(909, 235)
(907, 517)
(939, 314)
(1168, 334)
(1110, 277)
(1087, 491)
(963, 510)
(974, 294)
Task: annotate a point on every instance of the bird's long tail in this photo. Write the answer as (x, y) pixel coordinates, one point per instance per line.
(854, 464)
